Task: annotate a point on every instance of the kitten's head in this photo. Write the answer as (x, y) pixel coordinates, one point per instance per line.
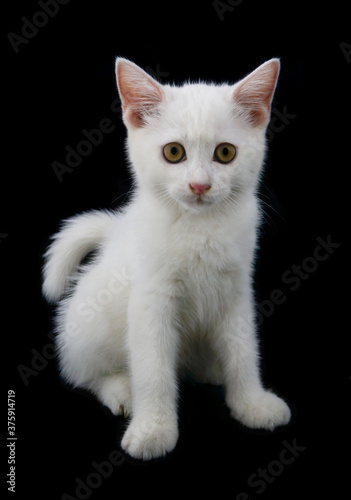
(198, 145)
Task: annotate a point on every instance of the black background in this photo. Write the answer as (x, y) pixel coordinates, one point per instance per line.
(62, 82)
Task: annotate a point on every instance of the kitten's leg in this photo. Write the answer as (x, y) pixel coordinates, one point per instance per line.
(91, 340)
(153, 430)
(248, 401)
(114, 391)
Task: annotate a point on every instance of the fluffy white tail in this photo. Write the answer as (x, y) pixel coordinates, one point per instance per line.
(78, 236)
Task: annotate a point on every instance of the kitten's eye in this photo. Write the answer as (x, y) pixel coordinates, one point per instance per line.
(224, 153)
(174, 152)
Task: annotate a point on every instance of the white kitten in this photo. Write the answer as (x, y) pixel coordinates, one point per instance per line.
(170, 290)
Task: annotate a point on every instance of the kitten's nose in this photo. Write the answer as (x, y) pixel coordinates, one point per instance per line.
(199, 188)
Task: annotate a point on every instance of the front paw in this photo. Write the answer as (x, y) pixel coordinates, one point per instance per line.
(264, 411)
(150, 437)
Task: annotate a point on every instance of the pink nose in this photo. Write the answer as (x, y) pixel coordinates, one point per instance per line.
(199, 188)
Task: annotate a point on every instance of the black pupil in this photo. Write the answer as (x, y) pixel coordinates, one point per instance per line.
(225, 151)
(174, 150)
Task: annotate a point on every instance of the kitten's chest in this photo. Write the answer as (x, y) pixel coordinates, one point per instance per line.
(198, 263)
(206, 276)
(205, 254)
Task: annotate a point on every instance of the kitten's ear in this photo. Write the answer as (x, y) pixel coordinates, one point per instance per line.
(254, 93)
(140, 94)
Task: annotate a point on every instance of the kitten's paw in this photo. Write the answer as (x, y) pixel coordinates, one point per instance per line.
(266, 411)
(114, 392)
(148, 437)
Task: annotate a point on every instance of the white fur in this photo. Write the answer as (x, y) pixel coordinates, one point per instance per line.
(170, 290)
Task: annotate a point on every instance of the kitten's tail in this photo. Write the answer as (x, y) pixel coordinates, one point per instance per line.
(78, 236)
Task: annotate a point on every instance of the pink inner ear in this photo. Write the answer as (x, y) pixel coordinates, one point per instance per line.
(140, 93)
(133, 116)
(254, 94)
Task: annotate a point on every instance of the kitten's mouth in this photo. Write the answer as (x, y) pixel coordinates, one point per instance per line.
(198, 201)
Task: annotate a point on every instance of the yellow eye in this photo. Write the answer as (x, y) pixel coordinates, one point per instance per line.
(174, 152)
(225, 152)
